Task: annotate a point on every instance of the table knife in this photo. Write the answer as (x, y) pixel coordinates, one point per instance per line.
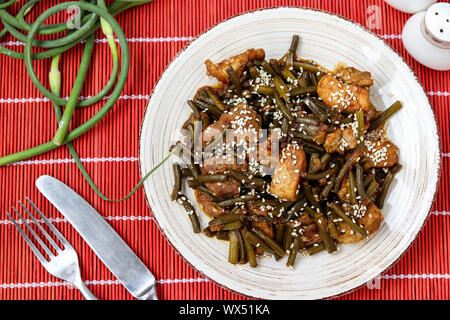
(101, 237)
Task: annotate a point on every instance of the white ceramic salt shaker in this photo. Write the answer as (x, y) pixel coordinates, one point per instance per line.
(426, 36)
(410, 6)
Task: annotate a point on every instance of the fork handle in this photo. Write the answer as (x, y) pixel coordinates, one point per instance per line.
(87, 294)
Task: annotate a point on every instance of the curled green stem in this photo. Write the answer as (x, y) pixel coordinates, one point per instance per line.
(64, 123)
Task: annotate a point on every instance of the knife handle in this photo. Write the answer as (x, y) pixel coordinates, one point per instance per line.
(150, 295)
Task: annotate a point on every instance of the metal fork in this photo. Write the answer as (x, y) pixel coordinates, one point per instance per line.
(64, 264)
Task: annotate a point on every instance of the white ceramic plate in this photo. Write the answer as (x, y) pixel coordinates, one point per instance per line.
(327, 39)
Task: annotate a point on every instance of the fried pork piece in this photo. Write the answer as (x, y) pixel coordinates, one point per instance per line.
(209, 207)
(257, 209)
(354, 76)
(305, 219)
(380, 153)
(321, 134)
(371, 221)
(215, 165)
(311, 235)
(340, 141)
(244, 124)
(264, 154)
(287, 176)
(214, 130)
(237, 62)
(344, 191)
(344, 98)
(242, 121)
(228, 188)
(266, 227)
(317, 132)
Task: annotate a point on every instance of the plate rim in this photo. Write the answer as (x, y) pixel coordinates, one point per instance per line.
(355, 24)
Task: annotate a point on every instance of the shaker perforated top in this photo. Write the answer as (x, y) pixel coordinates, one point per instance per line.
(437, 23)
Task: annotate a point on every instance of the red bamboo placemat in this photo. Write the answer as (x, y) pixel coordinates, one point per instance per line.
(156, 33)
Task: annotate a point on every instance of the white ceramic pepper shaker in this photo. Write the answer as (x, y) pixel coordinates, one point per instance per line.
(410, 6)
(426, 36)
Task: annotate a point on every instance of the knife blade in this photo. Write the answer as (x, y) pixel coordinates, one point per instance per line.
(101, 237)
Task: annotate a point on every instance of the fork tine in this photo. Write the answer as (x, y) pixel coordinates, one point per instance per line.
(49, 238)
(50, 225)
(28, 241)
(39, 240)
